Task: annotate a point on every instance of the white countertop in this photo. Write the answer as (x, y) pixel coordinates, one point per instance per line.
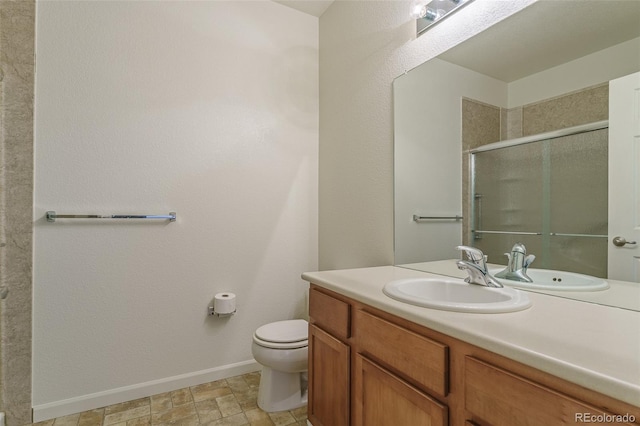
(594, 346)
(622, 294)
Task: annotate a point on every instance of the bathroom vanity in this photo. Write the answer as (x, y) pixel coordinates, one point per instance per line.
(377, 361)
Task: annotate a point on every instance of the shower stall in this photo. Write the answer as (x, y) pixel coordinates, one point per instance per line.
(549, 192)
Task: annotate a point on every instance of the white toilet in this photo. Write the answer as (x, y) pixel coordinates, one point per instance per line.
(281, 348)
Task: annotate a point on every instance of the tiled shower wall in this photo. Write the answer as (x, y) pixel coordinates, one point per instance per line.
(17, 67)
(483, 124)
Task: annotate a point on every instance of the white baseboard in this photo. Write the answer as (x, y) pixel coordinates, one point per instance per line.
(127, 393)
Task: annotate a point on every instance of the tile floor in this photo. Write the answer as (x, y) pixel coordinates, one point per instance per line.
(229, 402)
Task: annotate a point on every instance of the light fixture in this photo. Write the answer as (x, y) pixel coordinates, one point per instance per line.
(430, 12)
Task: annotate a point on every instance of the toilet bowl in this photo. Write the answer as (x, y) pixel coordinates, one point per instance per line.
(281, 348)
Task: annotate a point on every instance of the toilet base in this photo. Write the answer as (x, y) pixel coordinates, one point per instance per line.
(281, 391)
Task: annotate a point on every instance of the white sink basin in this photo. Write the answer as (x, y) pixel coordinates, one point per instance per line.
(456, 295)
(546, 279)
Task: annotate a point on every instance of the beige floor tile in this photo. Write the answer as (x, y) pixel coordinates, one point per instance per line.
(229, 402)
(235, 420)
(140, 421)
(257, 416)
(228, 405)
(187, 421)
(252, 379)
(71, 420)
(124, 406)
(176, 413)
(266, 422)
(91, 418)
(210, 390)
(237, 384)
(246, 395)
(300, 413)
(161, 402)
(208, 410)
(44, 423)
(124, 416)
(248, 405)
(210, 386)
(181, 396)
(282, 418)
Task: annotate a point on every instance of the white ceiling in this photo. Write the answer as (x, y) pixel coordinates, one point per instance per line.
(312, 7)
(547, 34)
(543, 35)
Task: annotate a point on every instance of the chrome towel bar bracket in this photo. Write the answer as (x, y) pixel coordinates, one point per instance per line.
(52, 216)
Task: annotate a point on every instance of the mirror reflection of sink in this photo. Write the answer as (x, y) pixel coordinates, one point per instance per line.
(546, 279)
(456, 295)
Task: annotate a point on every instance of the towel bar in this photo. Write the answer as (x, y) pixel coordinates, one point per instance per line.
(52, 216)
(417, 218)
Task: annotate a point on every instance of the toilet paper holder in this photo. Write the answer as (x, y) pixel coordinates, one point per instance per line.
(212, 312)
(223, 305)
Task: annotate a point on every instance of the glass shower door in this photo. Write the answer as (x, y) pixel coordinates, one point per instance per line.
(550, 195)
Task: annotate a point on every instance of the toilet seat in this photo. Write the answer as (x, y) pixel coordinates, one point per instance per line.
(290, 334)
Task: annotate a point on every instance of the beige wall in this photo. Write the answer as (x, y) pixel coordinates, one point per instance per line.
(364, 46)
(209, 109)
(427, 135)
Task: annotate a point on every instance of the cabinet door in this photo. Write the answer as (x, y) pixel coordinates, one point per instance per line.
(383, 399)
(328, 379)
(498, 397)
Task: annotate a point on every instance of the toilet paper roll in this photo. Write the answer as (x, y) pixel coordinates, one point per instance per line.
(224, 303)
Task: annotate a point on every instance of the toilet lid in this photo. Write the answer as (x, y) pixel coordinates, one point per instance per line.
(289, 331)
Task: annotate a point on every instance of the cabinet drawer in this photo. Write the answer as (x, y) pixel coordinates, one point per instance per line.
(417, 359)
(331, 314)
(498, 397)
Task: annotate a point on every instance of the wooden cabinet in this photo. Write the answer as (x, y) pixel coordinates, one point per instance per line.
(498, 397)
(330, 355)
(383, 399)
(382, 375)
(332, 314)
(370, 368)
(415, 358)
(328, 379)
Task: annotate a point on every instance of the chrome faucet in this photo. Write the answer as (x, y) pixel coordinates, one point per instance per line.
(476, 267)
(516, 269)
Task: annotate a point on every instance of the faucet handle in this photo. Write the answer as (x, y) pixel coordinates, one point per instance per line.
(475, 255)
(528, 261)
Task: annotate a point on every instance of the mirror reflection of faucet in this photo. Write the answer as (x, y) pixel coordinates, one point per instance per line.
(517, 265)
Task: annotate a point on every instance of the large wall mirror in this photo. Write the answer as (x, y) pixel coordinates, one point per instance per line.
(507, 138)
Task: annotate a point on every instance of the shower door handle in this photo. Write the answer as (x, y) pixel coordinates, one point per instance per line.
(478, 215)
(621, 242)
